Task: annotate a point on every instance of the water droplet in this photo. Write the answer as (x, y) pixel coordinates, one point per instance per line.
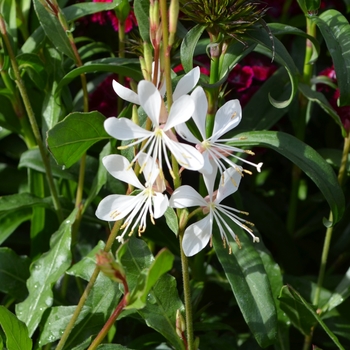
(151, 298)
(61, 332)
(63, 167)
(37, 266)
(35, 286)
(51, 338)
(20, 313)
(67, 221)
(41, 309)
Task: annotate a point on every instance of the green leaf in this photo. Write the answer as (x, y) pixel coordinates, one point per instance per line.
(16, 331)
(171, 220)
(321, 100)
(282, 56)
(264, 117)
(69, 139)
(163, 300)
(112, 347)
(282, 29)
(335, 29)
(44, 273)
(14, 271)
(188, 46)
(302, 314)
(10, 220)
(8, 12)
(79, 10)
(341, 293)
(53, 29)
(141, 9)
(125, 67)
(102, 300)
(306, 158)
(148, 278)
(22, 201)
(248, 280)
(57, 322)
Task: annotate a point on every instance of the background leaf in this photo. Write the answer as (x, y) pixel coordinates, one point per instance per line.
(44, 273)
(16, 331)
(73, 136)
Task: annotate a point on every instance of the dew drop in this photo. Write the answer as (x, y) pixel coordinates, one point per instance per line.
(51, 338)
(67, 221)
(35, 286)
(41, 309)
(37, 266)
(63, 167)
(151, 298)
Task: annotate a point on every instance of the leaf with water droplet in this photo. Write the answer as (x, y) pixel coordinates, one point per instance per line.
(54, 263)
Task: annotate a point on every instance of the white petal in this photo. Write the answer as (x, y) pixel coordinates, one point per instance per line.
(185, 133)
(186, 155)
(209, 164)
(119, 167)
(116, 207)
(227, 117)
(150, 168)
(124, 129)
(209, 180)
(185, 196)
(231, 178)
(125, 93)
(150, 100)
(197, 236)
(186, 83)
(160, 204)
(181, 110)
(201, 109)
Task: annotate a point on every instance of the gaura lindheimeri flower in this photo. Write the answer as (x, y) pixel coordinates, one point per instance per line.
(197, 235)
(183, 87)
(161, 137)
(133, 208)
(215, 151)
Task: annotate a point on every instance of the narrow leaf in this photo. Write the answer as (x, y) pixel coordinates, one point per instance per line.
(44, 273)
(247, 277)
(188, 46)
(69, 139)
(16, 331)
(171, 220)
(141, 9)
(22, 201)
(301, 313)
(306, 158)
(335, 29)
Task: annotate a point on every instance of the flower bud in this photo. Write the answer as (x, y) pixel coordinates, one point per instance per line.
(110, 267)
(180, 324)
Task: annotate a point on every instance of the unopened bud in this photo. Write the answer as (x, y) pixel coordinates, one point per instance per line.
(122, 10)
(174, 9)
(180, 324)
(110, 267)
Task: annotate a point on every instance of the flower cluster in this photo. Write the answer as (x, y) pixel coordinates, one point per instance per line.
(207, 152)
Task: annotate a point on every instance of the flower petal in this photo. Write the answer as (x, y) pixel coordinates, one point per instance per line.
(231, 180)
(185, 133)
(116, 207)
(227, 117)
(125, 129)
(160, 204)
(125, 93)
(200, 112)
(180, 112)
(185, 196)
(186, 155)
(186, 83)
(197, 236)
(150, 100)
(150, 168)
(119, 167)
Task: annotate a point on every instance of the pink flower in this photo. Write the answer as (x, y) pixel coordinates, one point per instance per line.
(110, 17)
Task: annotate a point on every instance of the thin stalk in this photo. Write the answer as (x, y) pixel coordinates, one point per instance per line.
(121, 54)
(120, 307)
(300, 127)
(187, 295)
(88, 288)
(327, 241)
(166, 52)
(33, 123)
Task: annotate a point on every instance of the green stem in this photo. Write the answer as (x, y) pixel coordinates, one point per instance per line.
(121, 54)
(300, 127)
(187, 295)
(33, 123)
(107, 248)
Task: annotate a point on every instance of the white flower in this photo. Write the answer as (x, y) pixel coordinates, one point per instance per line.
(134, 208)
(197, 235)
(183, 87)
(161, 137)
(215, 150)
